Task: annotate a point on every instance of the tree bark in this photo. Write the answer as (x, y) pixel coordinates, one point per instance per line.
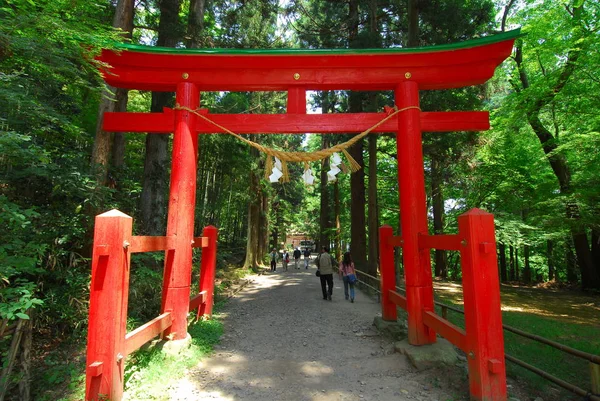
(324, 225)
(108, 143)
(550, 256)
(527, 267)
(254, 208)
(438, 214)
(155, 183)
(502, 259)
(373, 208)
(413, 23)
(195, 23)
(337, 221)
(511, 262)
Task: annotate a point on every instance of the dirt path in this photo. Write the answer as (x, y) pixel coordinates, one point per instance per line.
(282, 341)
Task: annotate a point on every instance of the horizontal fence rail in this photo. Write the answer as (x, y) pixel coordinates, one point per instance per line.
(400, 300)
(108, 343)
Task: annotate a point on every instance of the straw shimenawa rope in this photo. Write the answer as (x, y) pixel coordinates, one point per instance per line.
(301, 156)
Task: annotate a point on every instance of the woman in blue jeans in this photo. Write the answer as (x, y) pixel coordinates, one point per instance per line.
(348, 275)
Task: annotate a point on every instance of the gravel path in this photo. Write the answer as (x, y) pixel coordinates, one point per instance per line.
(282, 341)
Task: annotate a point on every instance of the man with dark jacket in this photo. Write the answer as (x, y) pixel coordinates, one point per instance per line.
(297, 255)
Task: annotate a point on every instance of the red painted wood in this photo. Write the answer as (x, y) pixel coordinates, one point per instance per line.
(432, 70)
(449, 331)
(447, 242)
(197, 300)
(398, 299)
(208, 270)
(108, 306)
(396, 241)
(296, 102)
(151, 244)
(388, 273)
(296, 123)
(200, 242)
(483, 317)
(180, 220)
(411, 181)
(146, 332)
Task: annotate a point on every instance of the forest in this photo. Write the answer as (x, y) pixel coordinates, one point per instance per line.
(536, 169)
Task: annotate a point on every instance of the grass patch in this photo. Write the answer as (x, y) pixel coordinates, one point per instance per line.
(150, 372)
(584, 337)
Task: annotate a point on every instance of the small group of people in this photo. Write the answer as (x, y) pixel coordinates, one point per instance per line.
(285, 259)
(346, 271)
(325, 264)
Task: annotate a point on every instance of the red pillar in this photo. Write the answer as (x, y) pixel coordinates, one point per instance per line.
(388, 273)
(108, 307)
(411, 182)
(207, 270)
(180, 221)
(483, 316)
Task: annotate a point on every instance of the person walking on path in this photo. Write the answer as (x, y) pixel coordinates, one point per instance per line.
(306, 258)
(285, 260)
(326, 267)
(273, 255)
(348, 275)
(297, 255)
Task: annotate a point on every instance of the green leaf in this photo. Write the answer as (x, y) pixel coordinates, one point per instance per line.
(22, 316)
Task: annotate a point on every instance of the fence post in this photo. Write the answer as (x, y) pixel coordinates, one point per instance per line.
(108, 307)
(207, 270)
(483, 317)
(595, 378)
(388, 273)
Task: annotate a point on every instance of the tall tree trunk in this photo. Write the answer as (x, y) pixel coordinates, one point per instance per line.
(438, 214)
(571, 263)
(517, 263)
(337, 221)
(373, 205)
(358, 235)
(195, 23)
(413, 23)
(502, 258)
(373, 208)
(104, 142)
(254, 209)
(155, 183)
(511, 262)
(550, 256)
(324, 225)
(263, 237)
(527, 276)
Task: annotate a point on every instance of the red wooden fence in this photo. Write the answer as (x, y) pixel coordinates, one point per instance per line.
(482, 339)
(108, 342)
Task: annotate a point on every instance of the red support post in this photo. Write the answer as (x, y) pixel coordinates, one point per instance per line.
(180, 221)
(411, 181)
(388, 273)
(296, 102)
(483, 317)
(108, 307)
(207, 271)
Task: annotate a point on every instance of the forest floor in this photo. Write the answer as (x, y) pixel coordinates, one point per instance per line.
(282, 341)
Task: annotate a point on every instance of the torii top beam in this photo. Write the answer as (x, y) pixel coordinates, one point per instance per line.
(436, 67)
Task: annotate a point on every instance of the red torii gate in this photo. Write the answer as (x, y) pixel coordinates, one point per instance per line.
(187, 72)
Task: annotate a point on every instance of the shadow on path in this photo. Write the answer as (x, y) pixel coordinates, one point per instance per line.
(282, 341)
